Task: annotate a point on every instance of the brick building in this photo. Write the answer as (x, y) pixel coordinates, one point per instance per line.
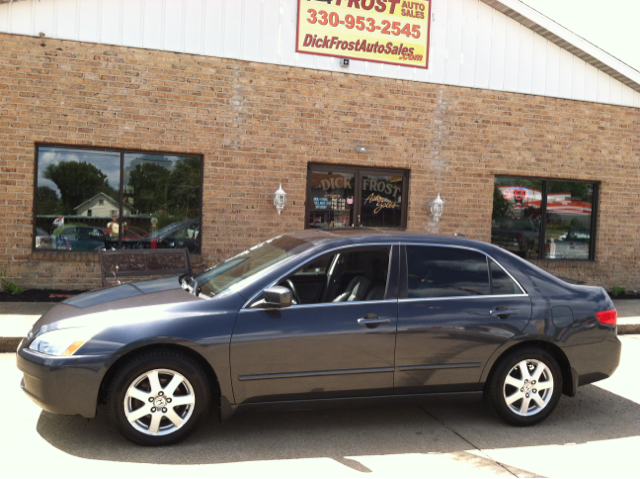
(192, 115)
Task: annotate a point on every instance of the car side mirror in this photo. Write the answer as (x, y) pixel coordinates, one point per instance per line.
(275, 297)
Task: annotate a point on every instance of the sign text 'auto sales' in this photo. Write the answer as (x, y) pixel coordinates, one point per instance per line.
(385, 31)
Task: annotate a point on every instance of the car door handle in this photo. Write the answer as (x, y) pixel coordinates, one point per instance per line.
(504, 313)
(368, 321)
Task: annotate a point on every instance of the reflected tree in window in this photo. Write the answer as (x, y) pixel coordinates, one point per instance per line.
(149, 185)
(47, 201)
(184, 198)
(77, 182)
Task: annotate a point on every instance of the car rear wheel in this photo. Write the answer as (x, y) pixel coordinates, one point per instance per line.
(158, 398)
(525, 387)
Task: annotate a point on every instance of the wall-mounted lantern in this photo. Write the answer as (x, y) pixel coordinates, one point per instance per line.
(437, 208)
(280, 199)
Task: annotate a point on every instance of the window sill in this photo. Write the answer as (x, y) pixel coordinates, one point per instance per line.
(70, 256)
(86, 256)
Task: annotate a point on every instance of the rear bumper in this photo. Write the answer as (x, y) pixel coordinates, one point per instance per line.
(596, 361)
(62, 385)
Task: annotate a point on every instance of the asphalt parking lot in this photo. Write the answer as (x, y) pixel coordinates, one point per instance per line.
(595, 434)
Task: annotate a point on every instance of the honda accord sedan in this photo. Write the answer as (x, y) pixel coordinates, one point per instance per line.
(322, 318)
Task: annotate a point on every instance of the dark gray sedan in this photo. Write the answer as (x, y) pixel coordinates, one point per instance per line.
(320, 318)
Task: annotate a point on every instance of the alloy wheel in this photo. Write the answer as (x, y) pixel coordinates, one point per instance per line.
(528, 387)
(159, 402)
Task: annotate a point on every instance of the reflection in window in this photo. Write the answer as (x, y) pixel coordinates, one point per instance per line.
(519, 209)
(569, 219)
(78, 200)
(163, 194)
(436, 272)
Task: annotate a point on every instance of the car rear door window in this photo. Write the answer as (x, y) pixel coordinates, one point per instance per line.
(442, 272)
(501, 282)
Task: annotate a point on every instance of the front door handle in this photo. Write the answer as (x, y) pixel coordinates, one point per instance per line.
(504, 313)
(373, 320)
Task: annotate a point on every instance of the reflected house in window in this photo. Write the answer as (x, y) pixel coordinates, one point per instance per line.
(101, 206)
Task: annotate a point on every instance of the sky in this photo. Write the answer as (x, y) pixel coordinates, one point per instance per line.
(611, 25)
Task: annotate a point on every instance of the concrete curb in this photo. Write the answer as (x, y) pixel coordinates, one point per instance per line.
(9, 345)
(628, 329)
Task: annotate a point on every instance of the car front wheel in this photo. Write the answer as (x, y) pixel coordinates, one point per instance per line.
(525, 387)
(158, 398)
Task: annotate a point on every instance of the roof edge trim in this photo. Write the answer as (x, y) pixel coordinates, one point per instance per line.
(568, 40)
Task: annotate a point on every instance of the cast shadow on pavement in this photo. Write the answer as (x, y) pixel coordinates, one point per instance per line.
(595, 414)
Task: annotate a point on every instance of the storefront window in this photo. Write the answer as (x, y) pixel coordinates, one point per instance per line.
(569, 220)
(86, 200)
(332, 195)
(382, 200)
(543, 218)
(345, 196)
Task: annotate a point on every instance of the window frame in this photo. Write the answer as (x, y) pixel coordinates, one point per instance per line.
(593, 229)
(359, 172)
(122, 152)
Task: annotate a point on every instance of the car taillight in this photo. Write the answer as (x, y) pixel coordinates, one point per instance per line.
(608, 317)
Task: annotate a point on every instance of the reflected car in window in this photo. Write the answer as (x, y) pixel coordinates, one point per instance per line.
(43, 239)
(573, 245)
(83, 238)
(521, 236)
(320, 318)
(182, 234)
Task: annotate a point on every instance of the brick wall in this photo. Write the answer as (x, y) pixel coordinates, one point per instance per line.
(258, 125)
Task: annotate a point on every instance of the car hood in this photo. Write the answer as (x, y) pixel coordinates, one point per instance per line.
(100, 305)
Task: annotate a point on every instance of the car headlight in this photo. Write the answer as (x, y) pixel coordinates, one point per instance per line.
(61, 342)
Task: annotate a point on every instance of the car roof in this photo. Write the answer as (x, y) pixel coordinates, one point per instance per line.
(338, 236)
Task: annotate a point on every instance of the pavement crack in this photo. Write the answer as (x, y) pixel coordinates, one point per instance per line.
(507, 469)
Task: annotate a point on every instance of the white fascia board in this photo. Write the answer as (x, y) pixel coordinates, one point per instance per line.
(568, 40)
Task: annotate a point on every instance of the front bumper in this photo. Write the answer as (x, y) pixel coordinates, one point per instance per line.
(62, 385)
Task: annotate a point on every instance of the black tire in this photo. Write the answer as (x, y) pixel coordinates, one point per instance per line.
(165, 365)
(497, 390)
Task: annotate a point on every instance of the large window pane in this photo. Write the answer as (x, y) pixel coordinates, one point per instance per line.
(517, 211)
(435, 272)
(79, 200)
(332, 197)
(163, 199)
(76, 193)
(382, 201)
(568, 224)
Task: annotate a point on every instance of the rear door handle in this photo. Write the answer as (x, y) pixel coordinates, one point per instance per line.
(504, 313)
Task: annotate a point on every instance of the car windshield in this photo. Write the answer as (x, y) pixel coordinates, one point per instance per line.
(259, 259)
